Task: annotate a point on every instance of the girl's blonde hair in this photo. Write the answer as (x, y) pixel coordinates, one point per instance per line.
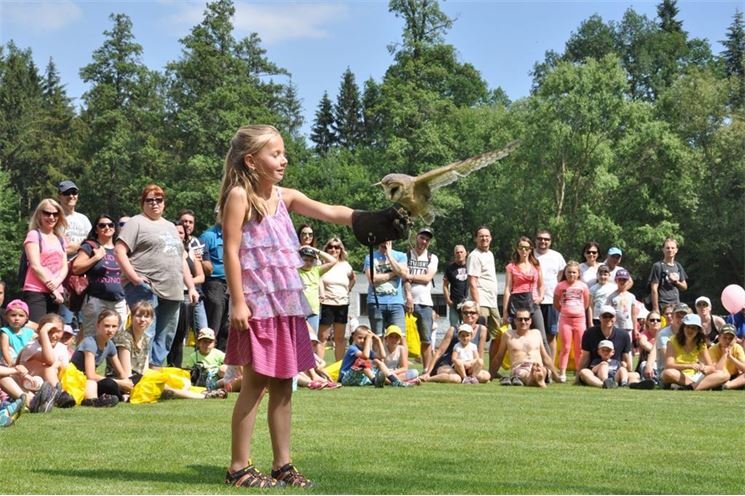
(248, 140)
(51, 318)
(49, 203)
(571, 263)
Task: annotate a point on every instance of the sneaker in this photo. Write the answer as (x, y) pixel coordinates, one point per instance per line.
(215, 394)
(64, 400)
(609, 384)
(5, 419)
(643, 384)
(290, 476)
(399, 383)
(379, 379)
(103, 401)
(15, 408)
(562, 378)
(43, 400)
(505, 381)
(516, 381)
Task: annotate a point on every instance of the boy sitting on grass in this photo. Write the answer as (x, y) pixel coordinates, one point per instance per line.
(360, 367)
(609, 370)
(207, 357)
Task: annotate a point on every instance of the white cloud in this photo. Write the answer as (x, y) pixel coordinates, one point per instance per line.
(276, 22)
(44, 15)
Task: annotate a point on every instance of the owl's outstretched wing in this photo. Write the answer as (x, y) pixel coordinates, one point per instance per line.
(447, 174)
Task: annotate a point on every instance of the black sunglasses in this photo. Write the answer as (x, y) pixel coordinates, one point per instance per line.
(50, 214)
(154, 200)
(104, 225)
(70, 192)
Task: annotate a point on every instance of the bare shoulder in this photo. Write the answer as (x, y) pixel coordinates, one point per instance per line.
(290, 196)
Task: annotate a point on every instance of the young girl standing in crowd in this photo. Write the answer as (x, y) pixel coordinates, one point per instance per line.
(571, 299)
(268, 334)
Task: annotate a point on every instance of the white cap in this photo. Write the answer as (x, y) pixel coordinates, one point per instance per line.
(465, 328)
(703, 298)
(607, 309)
(206, 333)
(606, 343)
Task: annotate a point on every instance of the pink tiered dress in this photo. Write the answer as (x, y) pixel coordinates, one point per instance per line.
(277, 342)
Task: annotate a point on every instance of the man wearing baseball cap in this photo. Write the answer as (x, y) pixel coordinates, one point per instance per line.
(78, 225)
(731, 354)
(422, 265)
(591, 339)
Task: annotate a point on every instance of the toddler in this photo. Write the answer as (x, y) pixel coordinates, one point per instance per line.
(465, 358)
(609, 370)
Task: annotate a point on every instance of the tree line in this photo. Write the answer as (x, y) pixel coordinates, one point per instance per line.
(633, 133)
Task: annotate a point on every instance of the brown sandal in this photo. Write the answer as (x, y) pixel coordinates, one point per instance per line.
(251, 477)
(290, 476)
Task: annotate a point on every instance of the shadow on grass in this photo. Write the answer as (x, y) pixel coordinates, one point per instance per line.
(197, 474)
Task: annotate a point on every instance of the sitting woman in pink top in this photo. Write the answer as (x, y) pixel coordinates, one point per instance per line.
(45, 247)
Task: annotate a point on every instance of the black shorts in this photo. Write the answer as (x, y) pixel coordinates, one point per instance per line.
(334, 314)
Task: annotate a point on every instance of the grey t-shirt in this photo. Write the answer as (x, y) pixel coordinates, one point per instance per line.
(78, 227)
(156, 253)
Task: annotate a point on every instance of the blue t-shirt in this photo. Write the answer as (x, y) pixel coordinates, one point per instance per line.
(89, 344)
(212, 240)
(104, 278)
(17, 341)
(349, 357)
(737, 320)
(391, 292)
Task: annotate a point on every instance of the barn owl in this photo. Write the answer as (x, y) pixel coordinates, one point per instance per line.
(415, 193)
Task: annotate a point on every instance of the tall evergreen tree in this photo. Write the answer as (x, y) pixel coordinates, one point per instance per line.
(348, 126)
(734, 58)
(124, 114)
(667, 11)
(371, 118)
(322, 133)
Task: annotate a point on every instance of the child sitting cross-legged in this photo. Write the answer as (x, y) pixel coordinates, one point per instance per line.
(466, 361)
(316, 378)
(360, 367)
(609, 370)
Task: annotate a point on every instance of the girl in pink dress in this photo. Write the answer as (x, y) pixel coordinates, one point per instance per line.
(571, 300)
(268, 334)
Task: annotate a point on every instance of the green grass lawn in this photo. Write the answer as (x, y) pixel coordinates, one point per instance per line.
(421, 440)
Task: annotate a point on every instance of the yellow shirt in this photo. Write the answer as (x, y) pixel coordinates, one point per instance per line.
(684, 357)
(737, 351)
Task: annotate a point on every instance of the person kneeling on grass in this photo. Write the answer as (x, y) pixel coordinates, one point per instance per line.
(101, 391)
(357, 366)
(688, 364)
(731, 355)
(530, 360)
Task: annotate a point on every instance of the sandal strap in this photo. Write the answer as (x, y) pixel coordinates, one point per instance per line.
(290, 476)
(250, 477)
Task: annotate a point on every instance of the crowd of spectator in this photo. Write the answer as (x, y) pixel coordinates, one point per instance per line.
(147, 283)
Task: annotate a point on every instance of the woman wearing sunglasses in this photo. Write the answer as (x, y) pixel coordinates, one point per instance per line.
(589, 268)
(151, 256)
(44, 249)
(97, 261)
(336, 284)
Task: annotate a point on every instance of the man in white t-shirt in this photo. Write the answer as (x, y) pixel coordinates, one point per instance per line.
(552, 264)
(482, 283)
(418, 286)
(78, 225)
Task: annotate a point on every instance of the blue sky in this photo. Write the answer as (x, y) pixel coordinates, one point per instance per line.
(317, 40)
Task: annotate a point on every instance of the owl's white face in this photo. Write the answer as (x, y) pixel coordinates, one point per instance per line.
(394, 189)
